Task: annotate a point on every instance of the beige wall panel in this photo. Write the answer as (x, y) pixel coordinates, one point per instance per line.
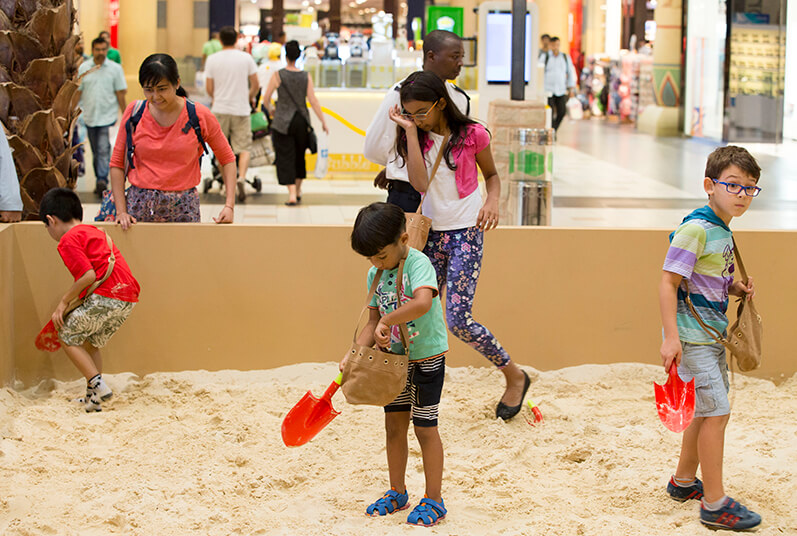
(253, 297)
(6, 304)
(180, 23)
(138, 21)
(553, 20)
(92, 18)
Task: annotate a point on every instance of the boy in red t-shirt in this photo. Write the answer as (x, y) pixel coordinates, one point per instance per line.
(84, 250)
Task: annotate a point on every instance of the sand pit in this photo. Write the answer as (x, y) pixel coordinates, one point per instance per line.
(200, 453)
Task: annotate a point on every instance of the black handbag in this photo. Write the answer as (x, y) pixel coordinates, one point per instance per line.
(312, 139)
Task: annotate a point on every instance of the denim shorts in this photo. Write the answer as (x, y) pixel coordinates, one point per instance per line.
(706, 363)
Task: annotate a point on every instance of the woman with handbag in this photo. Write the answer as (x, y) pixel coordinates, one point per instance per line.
(428, 123)
(291, 132)
(159, 151)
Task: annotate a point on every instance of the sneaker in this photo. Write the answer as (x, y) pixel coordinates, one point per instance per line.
(93, 403)
(101, 389)
(241, 191)
(732, 516)
(695, 491)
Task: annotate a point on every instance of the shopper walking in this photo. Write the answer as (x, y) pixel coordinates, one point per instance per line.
(169, 133)
(210, 47)
(231, 81)
(291, 121)
(560, 80)
(102, 95)
(113, 54)
(443, 54)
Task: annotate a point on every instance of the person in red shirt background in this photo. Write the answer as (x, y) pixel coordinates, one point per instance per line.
(85, 252)
(165, 170)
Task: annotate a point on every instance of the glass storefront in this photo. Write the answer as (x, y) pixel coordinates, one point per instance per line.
(705, 64)
(754, 111)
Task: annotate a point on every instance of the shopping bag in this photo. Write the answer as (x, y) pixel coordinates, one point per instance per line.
(322, 160)
(574, 108)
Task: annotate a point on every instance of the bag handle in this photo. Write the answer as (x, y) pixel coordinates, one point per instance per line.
(434, 170)
(405, 336)
(739, 261)
(711, 331)
(94, 286)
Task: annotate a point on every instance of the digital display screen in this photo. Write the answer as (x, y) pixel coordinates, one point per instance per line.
(498, 47)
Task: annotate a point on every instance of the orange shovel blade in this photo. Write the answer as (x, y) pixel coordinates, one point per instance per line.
(47, 339)
(308, 417)
(675, 401)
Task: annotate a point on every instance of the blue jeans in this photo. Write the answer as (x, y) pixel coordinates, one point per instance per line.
(101, 149)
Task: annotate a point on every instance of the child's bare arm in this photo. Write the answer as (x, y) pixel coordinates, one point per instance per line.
(668, 305)
(74, 291)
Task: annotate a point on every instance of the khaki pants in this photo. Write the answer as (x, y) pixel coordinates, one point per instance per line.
(236, 129)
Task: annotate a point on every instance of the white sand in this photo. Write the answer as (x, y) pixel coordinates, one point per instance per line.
(201, 453)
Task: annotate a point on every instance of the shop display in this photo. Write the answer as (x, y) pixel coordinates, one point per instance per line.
(754, 111)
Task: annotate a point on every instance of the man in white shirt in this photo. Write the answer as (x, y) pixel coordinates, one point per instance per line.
(102, 96)
(560, 80)
(10, 198)
(442, 55)
(231, 81)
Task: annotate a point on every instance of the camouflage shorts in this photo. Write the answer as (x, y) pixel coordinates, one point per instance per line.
(96, 320)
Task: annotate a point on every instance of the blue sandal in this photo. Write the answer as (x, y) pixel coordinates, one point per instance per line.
(392, 501)
(427, 513)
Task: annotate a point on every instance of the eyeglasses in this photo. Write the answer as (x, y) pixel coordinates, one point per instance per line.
(750, 191)
(420, 115)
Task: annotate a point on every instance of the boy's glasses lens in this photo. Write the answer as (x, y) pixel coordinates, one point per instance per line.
(750, 191)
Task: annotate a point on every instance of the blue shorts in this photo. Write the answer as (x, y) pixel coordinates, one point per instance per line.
(706, 363)
(421, 395)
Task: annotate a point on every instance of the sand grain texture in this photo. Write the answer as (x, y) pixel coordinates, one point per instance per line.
(201, 453)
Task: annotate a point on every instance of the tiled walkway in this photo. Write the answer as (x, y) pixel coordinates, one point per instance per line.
(605, 175)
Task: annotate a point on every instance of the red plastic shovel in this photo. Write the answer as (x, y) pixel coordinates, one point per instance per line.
(47, 339)
(309, 416)
(675, 401)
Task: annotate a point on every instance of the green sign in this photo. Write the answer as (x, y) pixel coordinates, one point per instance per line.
(445, 18)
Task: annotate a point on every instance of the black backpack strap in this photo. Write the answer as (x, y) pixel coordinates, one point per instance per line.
(467, 98)
(130, 128)
(193, 123)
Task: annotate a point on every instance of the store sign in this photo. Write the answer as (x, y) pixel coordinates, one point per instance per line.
(113, 21)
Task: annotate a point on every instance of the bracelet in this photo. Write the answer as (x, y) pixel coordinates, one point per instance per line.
(229, 207)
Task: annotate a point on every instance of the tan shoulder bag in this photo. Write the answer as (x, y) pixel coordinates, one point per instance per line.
(373, 376)
(418, 225)
(745, 335)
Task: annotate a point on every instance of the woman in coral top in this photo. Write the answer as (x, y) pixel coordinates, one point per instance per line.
(164, 170)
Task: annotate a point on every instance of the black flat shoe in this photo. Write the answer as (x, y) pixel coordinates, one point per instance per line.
(291, 203)
(507, 412)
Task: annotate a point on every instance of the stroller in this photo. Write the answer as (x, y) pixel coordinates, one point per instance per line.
(260, 122)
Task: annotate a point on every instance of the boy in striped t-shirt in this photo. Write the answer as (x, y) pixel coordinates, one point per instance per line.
(700, 261)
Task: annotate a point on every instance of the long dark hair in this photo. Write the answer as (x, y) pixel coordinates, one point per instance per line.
(427, 87)
(158, 67)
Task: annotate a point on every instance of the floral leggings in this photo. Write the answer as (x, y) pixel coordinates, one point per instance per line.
(457, 259)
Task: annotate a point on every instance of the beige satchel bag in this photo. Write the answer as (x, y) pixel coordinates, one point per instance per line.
(418, 225)
(745, 335)
(372, 376)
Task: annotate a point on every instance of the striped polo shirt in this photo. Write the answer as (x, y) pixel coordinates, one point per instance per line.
(701, 252)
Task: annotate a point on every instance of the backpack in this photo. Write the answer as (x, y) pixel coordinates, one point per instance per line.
(568, 61)
(135, 118)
